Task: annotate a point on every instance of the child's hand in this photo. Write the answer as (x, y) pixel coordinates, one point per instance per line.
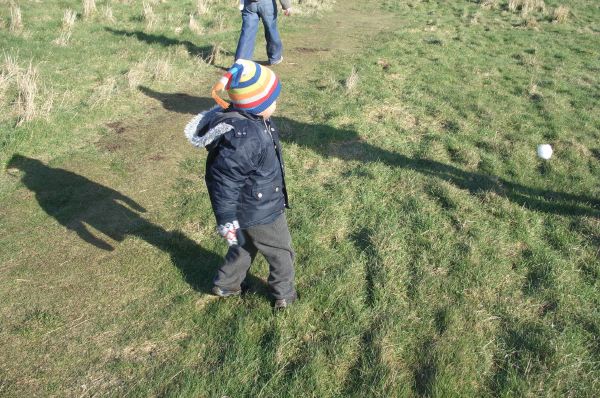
(229, 232)
(287, 12)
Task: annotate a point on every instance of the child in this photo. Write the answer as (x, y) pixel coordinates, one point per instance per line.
(265, 10)
(245, 178)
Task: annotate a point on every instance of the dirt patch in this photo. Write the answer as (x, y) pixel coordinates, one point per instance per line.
(116, 127)
(309, 50)
(109, 146)
(108, 142)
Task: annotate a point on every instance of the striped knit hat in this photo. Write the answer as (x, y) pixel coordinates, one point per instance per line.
(251, 87)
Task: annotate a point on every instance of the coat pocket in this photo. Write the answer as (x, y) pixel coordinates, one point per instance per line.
(266, 195)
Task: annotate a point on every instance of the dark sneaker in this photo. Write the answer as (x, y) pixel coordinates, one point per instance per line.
(280, 60)
(281, 304)
(219, 291)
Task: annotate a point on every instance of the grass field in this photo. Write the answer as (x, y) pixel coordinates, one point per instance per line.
(437, 255)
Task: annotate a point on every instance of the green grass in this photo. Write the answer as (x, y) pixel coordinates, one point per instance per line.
(436, 254)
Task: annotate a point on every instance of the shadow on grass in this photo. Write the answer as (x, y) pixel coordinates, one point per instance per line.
(179, 102)
(79, 203)
(204, 52)
(347, 145)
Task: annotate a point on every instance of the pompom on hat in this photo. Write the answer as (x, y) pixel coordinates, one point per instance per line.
(251, 87)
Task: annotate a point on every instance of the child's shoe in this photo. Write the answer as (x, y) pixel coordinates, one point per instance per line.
(219, 291)
(281, 304)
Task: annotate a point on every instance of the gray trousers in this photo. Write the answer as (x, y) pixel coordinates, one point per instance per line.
(274, 242)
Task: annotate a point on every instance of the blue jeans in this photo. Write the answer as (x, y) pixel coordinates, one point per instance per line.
(266, 10)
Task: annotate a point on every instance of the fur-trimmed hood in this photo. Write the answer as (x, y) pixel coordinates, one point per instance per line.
(197, 131)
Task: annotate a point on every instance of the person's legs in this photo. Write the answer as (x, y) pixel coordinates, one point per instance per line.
(275, 243)
(245, 47)
(267, 10)
(235, 267)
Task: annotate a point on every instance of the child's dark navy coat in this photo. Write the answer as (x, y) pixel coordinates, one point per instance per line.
(245, 174)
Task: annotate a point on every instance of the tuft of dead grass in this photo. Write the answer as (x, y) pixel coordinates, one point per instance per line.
(215, 55)
(194, 26)
(4, 85)
(89, 8)
(513, 5)
(108, 14)
(136, 75)
(352, 80)
(307, 7)
(16, 19)
(220, 22)
(104, 92)
(533, 6)
(68, 22)
(149, 16)
(11, 65)
(534, 92)
(526, 6)
(162, 69)
(561, 14)
(27, 90)
(489, 4)
(202, 6)
(532, 23)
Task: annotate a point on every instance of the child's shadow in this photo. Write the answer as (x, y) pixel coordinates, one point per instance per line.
(347, 145)
(77, 202)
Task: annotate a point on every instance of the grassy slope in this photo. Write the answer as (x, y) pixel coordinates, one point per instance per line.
(436, 254)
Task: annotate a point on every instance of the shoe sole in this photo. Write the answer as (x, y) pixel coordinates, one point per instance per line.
(219, 293)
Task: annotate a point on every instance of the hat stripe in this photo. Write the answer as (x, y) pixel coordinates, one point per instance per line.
(253, 96)
(260, 99)
(251, 81)
(253, 89)
(266, 103)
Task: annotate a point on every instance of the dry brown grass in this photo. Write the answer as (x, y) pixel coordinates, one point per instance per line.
(195, 26)
(202, 6)
(561, 14)
(108, 14)
(352, 81)
(533, 6)
(27, 91)
(4, 85)
(136, 75)
(16, 19)
(159, 69)
(89, 8)
(104, 92)
(534, 92)
(526, 6)
(11, 65)
(215, 55)
(149, 16)
(513, 5)
(220, 22)
(162, 69)
(489, 4)
(533, 23)
(68, 22)
(307, 7)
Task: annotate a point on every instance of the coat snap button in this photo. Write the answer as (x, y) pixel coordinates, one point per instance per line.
(259, 195)
(277, 189)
